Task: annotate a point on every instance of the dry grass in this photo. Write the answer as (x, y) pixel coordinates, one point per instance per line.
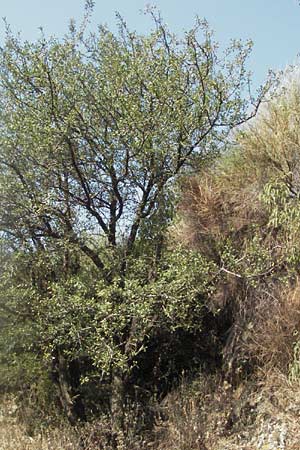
(275, 329)
(224, 200)
(211, 209)
(204, 413)
(207, 414)
(14, 434)
(15, 438)
(257, 415)
(226, 203)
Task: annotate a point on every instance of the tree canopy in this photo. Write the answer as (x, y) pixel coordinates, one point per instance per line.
(95, 129)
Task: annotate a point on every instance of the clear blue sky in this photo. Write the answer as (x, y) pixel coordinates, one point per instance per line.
(273, 25)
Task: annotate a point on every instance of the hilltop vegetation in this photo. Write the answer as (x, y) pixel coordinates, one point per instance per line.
(149, 265)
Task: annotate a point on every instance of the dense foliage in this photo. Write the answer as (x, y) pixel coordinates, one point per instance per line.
(99, 303)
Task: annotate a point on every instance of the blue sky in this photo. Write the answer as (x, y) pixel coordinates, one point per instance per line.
(273, 25)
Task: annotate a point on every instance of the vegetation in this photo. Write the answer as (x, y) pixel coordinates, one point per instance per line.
(149, 280)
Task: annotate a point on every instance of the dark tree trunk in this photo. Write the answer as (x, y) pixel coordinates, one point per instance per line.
(67, 378)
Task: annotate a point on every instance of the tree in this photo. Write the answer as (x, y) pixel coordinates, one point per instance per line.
(94, 132)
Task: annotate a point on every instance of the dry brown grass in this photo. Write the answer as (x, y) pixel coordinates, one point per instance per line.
(270, 146)
(15, 438)
(14, 434)
(275, 329)
(257, 415)
(207, 414)
(210, 209)
(224, 200)
(227, 202)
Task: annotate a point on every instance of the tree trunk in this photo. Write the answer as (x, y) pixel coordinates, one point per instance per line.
(65, 389)
(117, 402)
(70, 400)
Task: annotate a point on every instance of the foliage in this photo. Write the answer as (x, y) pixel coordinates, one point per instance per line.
(294, 367)
(87, 317)
(95, 130)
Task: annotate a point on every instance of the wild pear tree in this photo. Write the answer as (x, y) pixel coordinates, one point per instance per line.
(94, 132)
